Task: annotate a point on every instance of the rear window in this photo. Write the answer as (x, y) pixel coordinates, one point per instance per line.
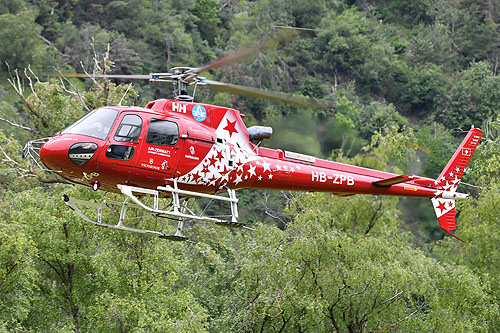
(162, 132)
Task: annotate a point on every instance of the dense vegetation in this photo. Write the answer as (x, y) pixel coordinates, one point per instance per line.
(417, 74)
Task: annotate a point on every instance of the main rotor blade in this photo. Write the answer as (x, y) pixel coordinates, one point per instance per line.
(225, 60)
(108, 76)
(246, 52)
(272, 95)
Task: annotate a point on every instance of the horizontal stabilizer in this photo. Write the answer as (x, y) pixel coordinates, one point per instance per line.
(393, 180)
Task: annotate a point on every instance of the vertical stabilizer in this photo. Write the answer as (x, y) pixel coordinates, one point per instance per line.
(454, 170)
(444, 201)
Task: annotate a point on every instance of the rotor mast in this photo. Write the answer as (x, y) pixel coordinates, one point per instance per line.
(181, 78)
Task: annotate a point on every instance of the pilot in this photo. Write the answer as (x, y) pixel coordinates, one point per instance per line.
(119, 152)
(97, 130)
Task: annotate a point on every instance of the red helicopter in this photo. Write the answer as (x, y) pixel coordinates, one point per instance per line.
(182, 149)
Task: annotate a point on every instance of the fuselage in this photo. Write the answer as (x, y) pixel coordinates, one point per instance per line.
(204, 147)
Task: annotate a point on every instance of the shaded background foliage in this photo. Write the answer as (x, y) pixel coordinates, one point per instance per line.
(407, 78)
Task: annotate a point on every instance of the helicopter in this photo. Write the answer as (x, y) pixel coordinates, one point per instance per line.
(181, 149)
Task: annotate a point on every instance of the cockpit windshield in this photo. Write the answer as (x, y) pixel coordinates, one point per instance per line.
(96, 124)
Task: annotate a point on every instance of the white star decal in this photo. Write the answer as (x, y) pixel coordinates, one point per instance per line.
(278, 167)
(285, 168)
(455, 181)
(225, 178)
(259, 178)
(225, 163)
(292, 170)
(457, 169)
(451, 174)
(270, 176)
(238, 179)
(266, 166)
(251, 170)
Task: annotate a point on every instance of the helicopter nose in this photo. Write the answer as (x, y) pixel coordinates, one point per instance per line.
(64, 153)
(53, 153)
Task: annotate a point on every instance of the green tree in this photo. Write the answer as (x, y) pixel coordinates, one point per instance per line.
(422, 89)
(432, 44)
(88, 278)
(22, 45)
(79, 46)
(477, 37)
(479, 225)
(18, 274)
(207, 13)
(354, 45)
(407, 14)
(12, 6)
(377, 116)
(473, 99)
(335, 267)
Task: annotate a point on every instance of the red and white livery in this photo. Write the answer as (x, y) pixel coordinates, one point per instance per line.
(187, 149)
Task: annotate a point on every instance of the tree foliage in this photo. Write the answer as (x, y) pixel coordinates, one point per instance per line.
(23, 48)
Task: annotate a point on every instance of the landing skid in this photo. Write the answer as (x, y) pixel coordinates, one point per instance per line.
(178, 209)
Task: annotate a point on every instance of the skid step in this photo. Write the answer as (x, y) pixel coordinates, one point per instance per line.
(231, 224)
(176, 238)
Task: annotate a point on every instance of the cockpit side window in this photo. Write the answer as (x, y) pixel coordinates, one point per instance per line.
(96, 124)
(162, 132)
(129, 129)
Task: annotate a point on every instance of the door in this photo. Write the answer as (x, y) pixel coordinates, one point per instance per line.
(161, 149)
(121, 149)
